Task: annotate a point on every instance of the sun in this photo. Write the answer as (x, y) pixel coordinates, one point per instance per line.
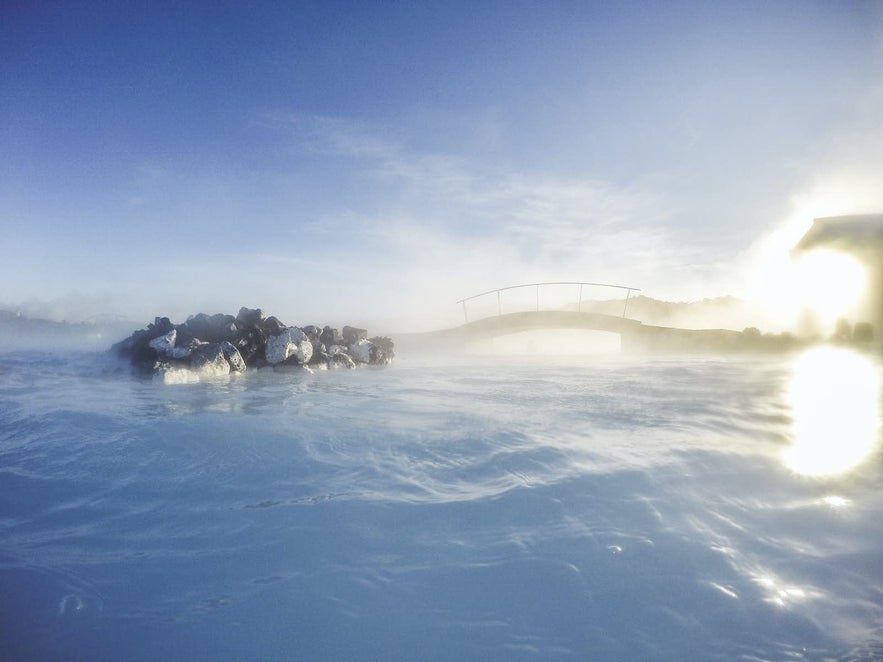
(829, 284)
(820, 286)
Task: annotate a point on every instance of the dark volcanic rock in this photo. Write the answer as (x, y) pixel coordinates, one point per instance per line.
(249, 317)
(214, 345)
(217, 359)
(340, 360)
(250, 343)
(170, 346)
(210, 360)
(234, 358)
(384, 350)
(291, 342)
(272, 326)
(330, 337)
(313, 332)
(352, 335)
(212, 328)
(137, 347)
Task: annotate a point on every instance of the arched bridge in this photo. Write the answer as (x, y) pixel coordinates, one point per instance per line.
(538, 318)
(635, 335)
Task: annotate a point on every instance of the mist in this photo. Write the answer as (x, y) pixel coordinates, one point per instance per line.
(684, 466)
(339, 205)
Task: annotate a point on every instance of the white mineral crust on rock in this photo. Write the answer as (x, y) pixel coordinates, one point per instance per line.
(175, 376)
(234, 358)
(291, 342)
(215, 366)
(361, 351)
(340, 360)
(165, 346)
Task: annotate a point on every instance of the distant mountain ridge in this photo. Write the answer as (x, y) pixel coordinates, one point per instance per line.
(726, 312)
(17, 330)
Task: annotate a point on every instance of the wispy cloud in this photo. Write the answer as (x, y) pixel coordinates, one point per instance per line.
(438, 226)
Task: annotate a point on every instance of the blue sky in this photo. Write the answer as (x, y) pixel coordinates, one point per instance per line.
(366, 161)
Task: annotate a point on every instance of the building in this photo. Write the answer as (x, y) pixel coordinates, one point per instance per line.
(860, 236)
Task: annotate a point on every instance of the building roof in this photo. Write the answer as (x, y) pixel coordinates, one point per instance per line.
(860, 234)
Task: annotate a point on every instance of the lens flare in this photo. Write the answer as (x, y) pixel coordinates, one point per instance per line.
(835, 402)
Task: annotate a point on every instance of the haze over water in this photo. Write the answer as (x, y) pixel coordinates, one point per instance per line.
(336, 162)
(598, 507)
(353, 163)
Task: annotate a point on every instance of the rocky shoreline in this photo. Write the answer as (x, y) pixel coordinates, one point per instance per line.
(218, 345)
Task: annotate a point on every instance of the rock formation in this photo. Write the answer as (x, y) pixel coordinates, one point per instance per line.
(216, 345)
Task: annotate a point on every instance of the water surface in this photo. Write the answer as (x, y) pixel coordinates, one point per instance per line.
(602, 508)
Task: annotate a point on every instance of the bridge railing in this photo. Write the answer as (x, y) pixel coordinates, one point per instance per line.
(498, 292)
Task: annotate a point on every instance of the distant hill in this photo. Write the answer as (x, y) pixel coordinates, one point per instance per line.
(718, 313)
(19, 331)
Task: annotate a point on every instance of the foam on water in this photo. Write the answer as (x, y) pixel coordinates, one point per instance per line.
(607, 509)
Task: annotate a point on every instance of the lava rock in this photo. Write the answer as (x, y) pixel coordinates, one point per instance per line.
(209, 360)
(234, 358)
(213, 345)
(208, 357)
(362, 351)
(167, 347)
(137, 347)
(168, 373)
(384, 350)
(313, 332)
(250, 317)
(339, 360)
(291, 342)
(330, 336)
(251, 343)
(352, 335)
(212, 328)
(272, 326)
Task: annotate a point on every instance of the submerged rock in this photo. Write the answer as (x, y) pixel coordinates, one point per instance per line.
(209, 346)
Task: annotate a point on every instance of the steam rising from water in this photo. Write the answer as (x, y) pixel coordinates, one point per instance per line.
(592, 507)
(558, 343)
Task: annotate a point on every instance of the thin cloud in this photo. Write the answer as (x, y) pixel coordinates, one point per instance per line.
(420, 229)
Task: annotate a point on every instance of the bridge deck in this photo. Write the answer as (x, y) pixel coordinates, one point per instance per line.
(636, 336)
(543, 319)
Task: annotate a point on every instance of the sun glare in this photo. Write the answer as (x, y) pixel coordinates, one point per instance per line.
(835, 403)
(829, 284)
(818, 286)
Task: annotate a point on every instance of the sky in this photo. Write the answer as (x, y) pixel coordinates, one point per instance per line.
(353, 161)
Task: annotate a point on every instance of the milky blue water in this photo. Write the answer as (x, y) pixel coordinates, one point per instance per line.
(599, 509)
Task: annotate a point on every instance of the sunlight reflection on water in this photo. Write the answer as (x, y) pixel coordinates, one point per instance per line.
(835, 401)
(782, 594)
